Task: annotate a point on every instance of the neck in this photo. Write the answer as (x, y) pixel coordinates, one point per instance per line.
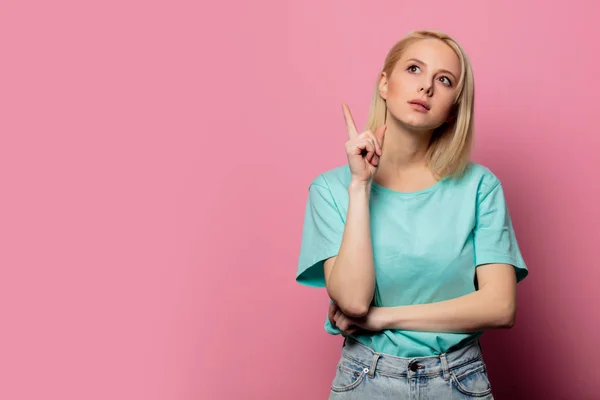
(403, 149)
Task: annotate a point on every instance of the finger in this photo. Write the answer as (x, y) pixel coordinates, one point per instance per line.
(378, 149)
(350, 331)
(371, 139)
(380, 134)
(365, 144)
(371, 150)
(332, 310)
(337, 316)
(332, 307)
(350, 125)
(343, 324)
(359, 146)
(370, 135)
(375, 160)
(346, 324)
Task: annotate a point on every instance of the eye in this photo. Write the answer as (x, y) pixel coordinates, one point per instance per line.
(412, 68)
(448, 82)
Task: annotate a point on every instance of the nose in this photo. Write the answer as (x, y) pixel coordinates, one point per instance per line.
(427, 85)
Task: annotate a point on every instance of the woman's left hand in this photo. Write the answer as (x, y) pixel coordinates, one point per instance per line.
(373, 321)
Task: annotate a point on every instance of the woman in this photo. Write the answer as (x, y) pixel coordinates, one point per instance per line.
(412, 240)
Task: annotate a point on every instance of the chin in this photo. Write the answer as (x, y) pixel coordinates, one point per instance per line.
(418, 122)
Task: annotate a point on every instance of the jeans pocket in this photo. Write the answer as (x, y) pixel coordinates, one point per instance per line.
(472, 379)
(349, 374)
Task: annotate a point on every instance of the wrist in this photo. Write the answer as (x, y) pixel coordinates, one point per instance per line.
(359, 186)
(387, 317)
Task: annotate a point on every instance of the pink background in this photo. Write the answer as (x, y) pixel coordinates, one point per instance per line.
(155, 159)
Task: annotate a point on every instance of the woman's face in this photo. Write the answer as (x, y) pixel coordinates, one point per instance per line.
(428, 71)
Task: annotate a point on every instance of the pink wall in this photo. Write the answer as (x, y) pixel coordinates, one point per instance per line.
(154, 162)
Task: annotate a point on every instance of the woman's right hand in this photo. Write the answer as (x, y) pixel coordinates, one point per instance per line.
(363, 150)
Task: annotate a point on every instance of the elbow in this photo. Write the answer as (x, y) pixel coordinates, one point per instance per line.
(354, 310)
(507, 316)
(507, 323)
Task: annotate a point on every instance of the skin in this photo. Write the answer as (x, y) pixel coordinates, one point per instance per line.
(402, 164)
(399, 164)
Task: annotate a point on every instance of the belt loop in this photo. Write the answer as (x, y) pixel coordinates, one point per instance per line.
(374, 364)
(445, 371)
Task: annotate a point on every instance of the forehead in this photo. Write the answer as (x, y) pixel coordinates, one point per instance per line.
(433, 52)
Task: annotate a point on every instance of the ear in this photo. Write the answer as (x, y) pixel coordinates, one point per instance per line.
(383, 85)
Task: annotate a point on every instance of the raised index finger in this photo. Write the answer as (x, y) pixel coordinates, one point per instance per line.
(352, 132)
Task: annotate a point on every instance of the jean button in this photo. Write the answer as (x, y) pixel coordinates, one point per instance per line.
(415, 366)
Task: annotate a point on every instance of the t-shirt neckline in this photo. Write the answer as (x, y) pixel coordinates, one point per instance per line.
(431, 188)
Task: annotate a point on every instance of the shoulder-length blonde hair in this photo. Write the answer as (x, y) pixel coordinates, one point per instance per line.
(449, 151)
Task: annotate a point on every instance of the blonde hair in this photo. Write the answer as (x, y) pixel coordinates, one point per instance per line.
(449, 151)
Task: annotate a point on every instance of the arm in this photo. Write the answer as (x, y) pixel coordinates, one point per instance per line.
(492, 306)
(350, 276)
(499, 268)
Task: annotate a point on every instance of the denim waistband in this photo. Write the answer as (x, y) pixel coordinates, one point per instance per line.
(416, 366)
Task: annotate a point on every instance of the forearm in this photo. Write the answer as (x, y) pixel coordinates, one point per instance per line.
(351, 282)
(476, 311)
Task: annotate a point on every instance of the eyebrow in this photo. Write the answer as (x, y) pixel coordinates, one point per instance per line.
(441, 70)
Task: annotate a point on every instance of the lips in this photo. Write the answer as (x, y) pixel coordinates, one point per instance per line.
(421, 103)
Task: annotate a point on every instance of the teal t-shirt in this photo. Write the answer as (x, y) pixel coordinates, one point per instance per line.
(426, 246)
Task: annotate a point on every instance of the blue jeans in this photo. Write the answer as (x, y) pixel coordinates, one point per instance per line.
(366, 375)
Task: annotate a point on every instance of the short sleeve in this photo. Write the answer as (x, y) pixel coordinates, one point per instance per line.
(494, 237)
(321, 234)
